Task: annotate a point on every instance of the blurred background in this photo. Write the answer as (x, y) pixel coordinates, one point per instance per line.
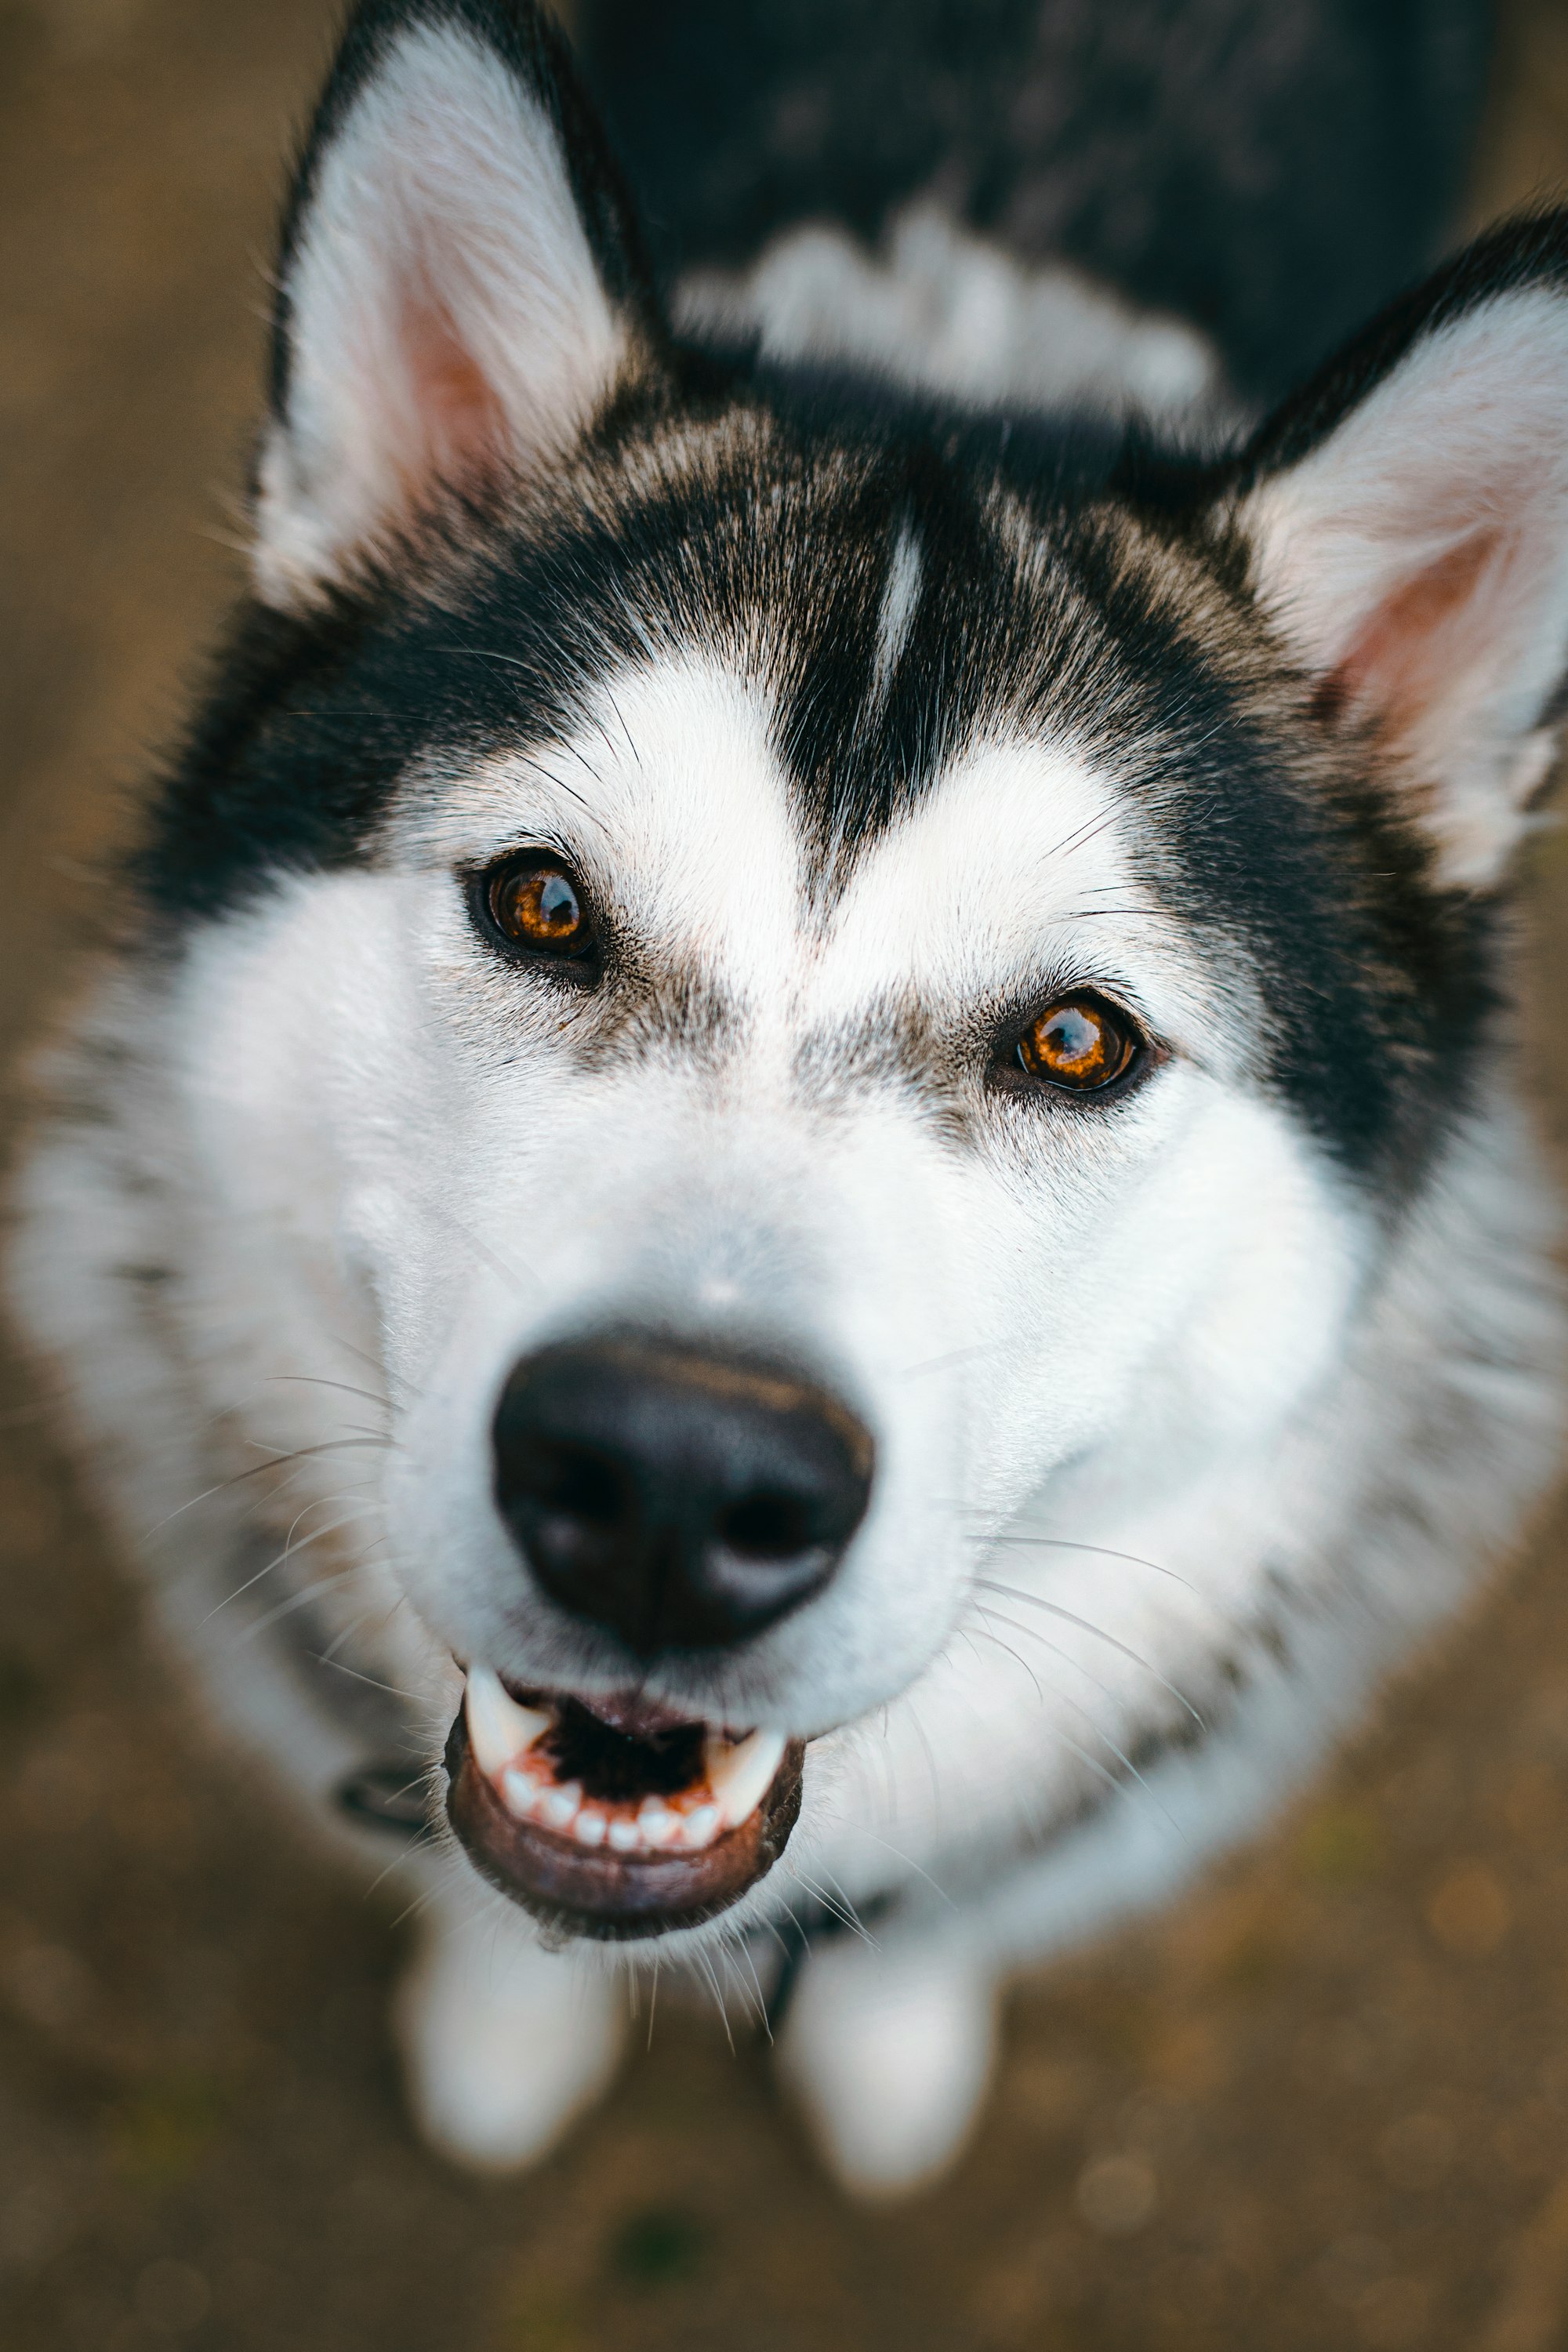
(1324, 2104)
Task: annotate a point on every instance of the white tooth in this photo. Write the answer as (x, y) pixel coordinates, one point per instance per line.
(700, 1824)
(521, 1792)
(656, 1825)
(624, 1836)
(498, 1728)
(589, 1828)
(741, 1776)
(557, 1806)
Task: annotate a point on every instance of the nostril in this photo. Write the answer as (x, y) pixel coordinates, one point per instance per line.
(574, 1484)
(768, 1526)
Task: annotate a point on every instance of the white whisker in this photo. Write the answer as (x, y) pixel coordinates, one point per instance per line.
(1063, 1698)
(1085, 1624)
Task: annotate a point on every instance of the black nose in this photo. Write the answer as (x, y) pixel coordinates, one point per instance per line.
(683, 1499)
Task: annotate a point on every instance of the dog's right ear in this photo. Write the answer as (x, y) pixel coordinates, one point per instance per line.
(1406, 525)
(461, 285)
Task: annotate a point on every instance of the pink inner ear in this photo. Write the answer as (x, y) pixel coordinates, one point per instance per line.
(460, 422)
(1418, 642)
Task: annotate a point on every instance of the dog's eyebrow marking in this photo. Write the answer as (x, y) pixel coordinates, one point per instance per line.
(895, 1042)
(900, 594)
(666, 1006)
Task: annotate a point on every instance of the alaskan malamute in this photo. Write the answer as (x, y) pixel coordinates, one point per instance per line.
(796, 1205)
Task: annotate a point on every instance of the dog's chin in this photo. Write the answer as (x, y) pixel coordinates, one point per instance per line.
(610, 1818)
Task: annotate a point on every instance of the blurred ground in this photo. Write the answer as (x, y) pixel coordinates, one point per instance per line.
(1325, 2105)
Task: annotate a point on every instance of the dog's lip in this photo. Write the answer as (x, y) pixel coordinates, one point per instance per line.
(588, 1869)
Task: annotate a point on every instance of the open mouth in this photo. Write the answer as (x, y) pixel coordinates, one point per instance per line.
(615, 1818)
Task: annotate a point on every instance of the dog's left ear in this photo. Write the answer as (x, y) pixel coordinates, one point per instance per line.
(1406, 524)
(461, 285)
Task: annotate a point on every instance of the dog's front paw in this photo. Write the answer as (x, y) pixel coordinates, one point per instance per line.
(503, 2044)
(888, 2055)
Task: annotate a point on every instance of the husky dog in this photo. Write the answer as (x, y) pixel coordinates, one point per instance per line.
(800, 1199)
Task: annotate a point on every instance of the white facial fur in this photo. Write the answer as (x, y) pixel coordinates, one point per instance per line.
(402, 1150)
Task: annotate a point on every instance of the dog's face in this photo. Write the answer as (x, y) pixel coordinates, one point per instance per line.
(817, 979)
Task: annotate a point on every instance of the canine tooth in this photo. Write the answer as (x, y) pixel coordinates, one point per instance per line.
(701, 1824)
(589, 1828)
(741, 1776)
(498, 1728)
(624, 1836)
(559, 1806)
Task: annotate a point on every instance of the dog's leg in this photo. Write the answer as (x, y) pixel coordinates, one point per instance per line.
(504, 2043)
(889, 2053)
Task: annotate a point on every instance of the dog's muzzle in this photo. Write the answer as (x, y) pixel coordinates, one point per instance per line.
(682, 1501)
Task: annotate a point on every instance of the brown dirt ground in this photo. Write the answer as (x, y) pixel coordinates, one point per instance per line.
(1331, 2088)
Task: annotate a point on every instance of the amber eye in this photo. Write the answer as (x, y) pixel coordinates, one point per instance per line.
(537, 904)
(1081, 1044)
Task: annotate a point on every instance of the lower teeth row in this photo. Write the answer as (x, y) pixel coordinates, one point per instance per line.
(655, 1827)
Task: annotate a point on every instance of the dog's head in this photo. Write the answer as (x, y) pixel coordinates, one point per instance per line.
(819, 974)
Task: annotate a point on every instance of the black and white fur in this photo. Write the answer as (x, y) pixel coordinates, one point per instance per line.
(876, 695)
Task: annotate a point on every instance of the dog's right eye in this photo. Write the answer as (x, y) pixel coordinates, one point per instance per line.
(536, 903)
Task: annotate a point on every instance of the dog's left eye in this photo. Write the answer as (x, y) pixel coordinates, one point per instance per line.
(537, 903)
(1081, 1045)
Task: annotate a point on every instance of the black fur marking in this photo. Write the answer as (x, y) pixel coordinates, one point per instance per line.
(783, 535)
(771, 554)
(763, 539)
(287, 768)
(1270, 172)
